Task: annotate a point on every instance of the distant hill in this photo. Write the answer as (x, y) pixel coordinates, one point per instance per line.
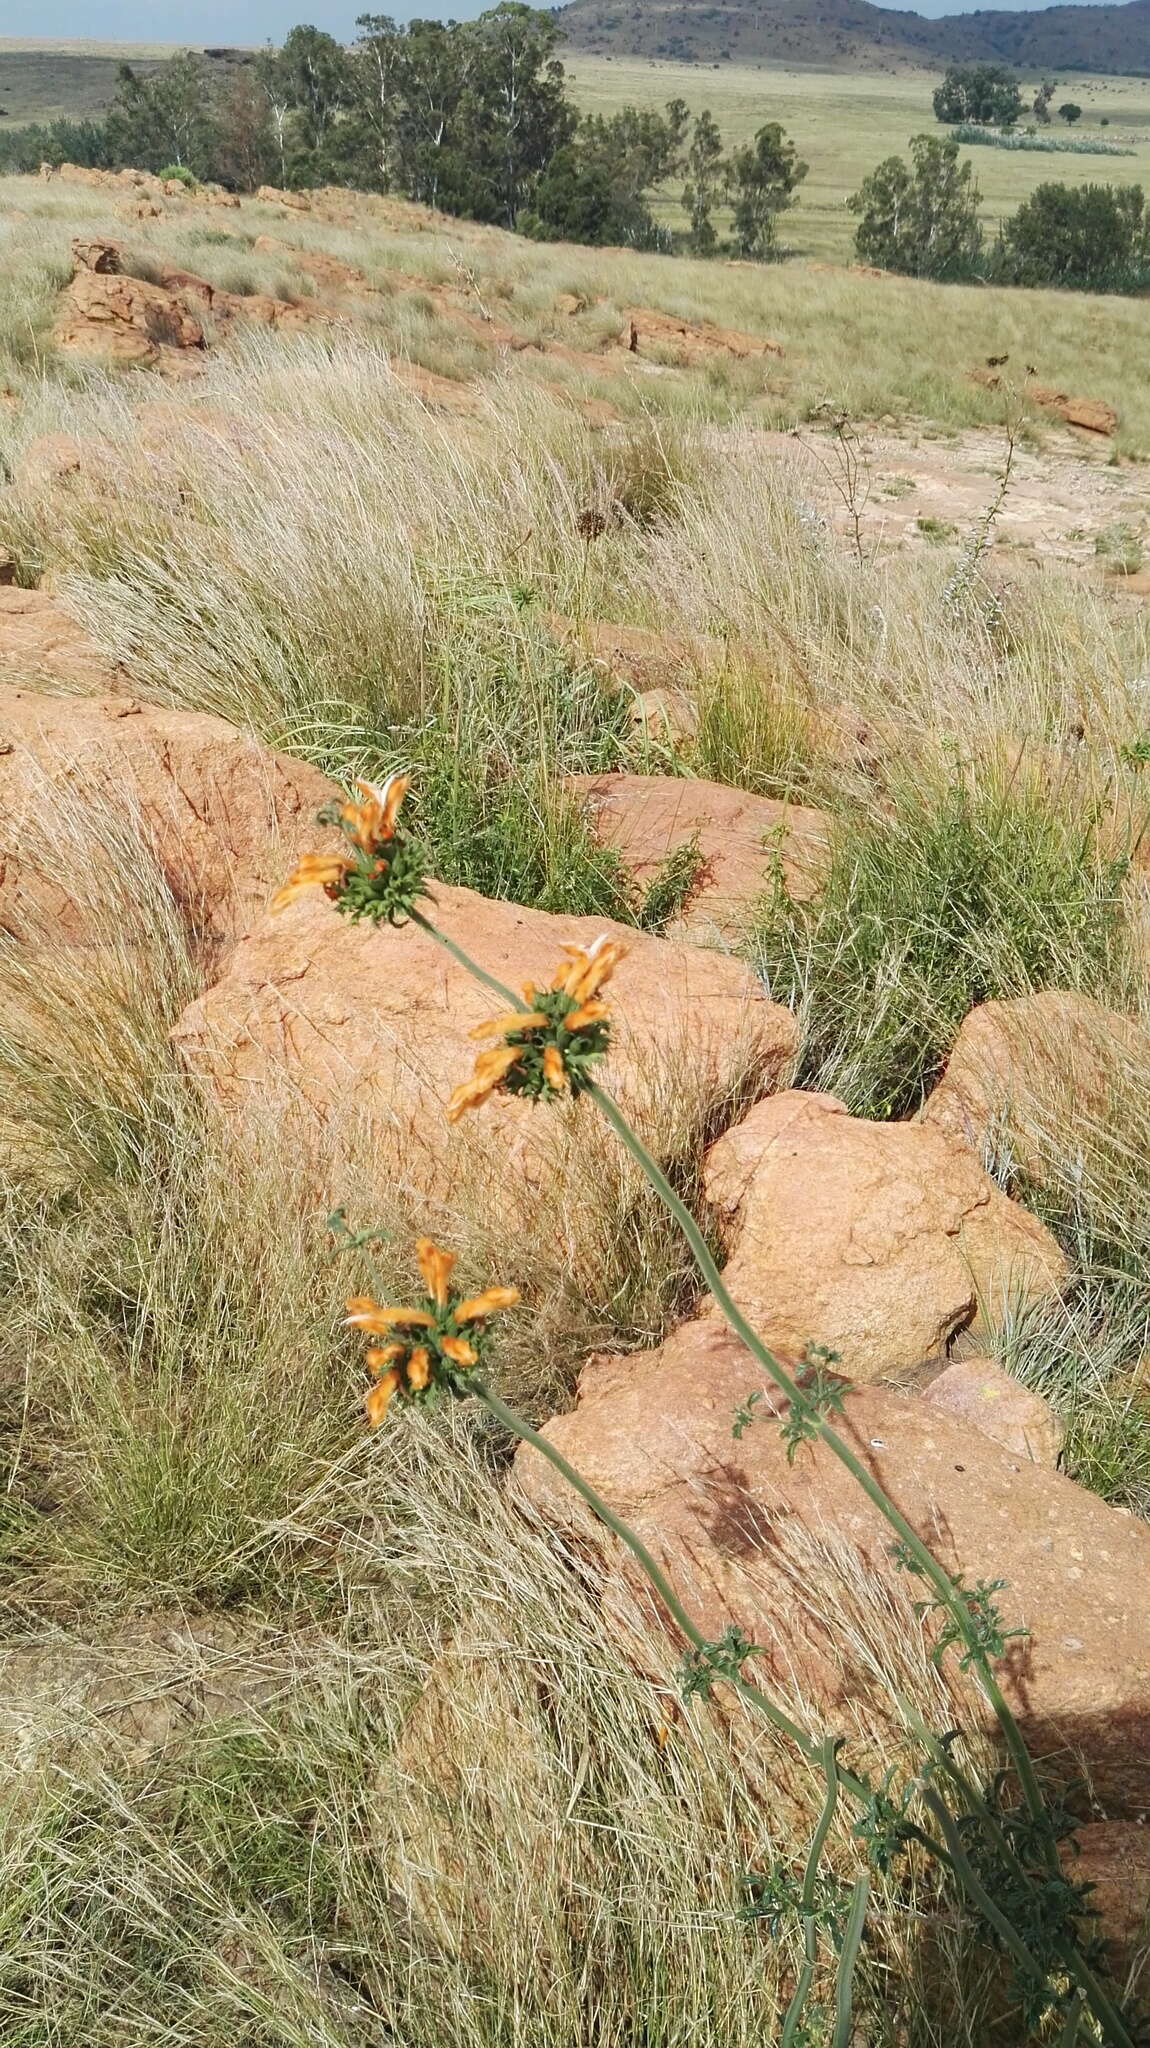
(843, 33)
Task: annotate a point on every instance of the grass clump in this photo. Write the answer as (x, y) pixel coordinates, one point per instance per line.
(973, 888)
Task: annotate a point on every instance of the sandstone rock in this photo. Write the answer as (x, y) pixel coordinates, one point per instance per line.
(49, 459)
(689, 343)
(1114, 1857)
(328, 1024)
(668, 718)
(1093, 414)
(40, 643)
(124, 319)
(744, 842)
(740, 1531)
(223, 199)
(637, 657)
(442, 394)
(96, 252)
(316, 263)
(8, 566)
(977, 1391)
(285, 315)
(1027, 1074)
(272, 195)
(880, 1241)
(225, 814)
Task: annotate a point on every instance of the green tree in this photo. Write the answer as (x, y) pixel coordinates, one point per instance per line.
(705, 179)
(762, 179)
(1042, 99)
(310, 77)
(984, 93)
(595, 188)
(515, 113)
(1081, 237)
(920, 218)
(246, 152)
(1069, 112)
(167, 118)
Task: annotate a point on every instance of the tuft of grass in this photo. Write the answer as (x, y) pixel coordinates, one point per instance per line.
(672, 885)
(974, 886)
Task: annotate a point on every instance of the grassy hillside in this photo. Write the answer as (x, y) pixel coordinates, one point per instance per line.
(843, 125)
(846, 33)
(53, 81)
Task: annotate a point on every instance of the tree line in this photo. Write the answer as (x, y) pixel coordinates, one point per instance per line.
(474, 118)
(990, 96)
(922, 218)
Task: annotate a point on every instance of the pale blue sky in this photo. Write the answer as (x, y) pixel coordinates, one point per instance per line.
(246, 21)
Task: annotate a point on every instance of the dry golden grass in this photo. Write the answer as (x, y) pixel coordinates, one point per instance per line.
(297, 543)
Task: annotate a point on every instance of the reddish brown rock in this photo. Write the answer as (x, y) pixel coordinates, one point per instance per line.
(315, 263)
(339, 1023)
(637, 657)
(741, 1530)
(41, 643)
(880, 1241)
(226, 815)
(1023, 1073)
(744, 843)
(96, 252)
(977, 1391)
(667, 718)
(124, 319)
(49, 459)
(688, 344)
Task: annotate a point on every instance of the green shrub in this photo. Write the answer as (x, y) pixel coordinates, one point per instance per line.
(920, 218)
(964, 893)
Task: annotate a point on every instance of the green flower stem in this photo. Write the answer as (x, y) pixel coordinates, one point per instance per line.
(1100, 2004)
(848, 1958)
(824, 1753)
(806, 1976)
(1097, 1998)
(506, 995)
(737, 1321)
(813, 1751)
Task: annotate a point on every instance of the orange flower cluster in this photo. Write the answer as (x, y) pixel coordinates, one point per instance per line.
(368, 826)
(424, 1347)
(549, 1045)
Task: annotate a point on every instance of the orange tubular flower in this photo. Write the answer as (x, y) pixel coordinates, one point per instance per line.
(427, 1352)
(554, 1072)
(378, 1399)
(365, 1314)
(486, 1304)
(316, 870)
(490, 1069)
(419, 1369)
(515, 1020)
(373, 819)
(435, 1267)
(588, 967)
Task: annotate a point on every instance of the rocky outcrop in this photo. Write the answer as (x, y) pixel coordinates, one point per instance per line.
(1023, 1073)
(880, 1241)
(978, 1392)
(225, 815)
(326, 1024)
(775, 1547)
(745, 845)
(688, 344)
(40, 643)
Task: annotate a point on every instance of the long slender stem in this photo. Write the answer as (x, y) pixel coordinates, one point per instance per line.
(806, 1976)
(654, 1572)
(928, 1565)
